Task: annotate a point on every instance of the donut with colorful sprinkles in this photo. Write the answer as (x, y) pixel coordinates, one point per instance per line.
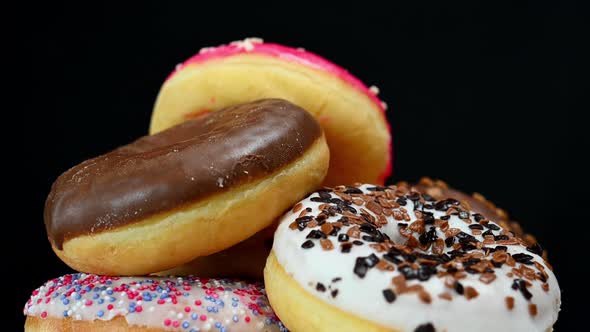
(374, 258)
(88, 302)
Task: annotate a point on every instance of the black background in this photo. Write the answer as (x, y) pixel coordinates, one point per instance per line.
(483, 98)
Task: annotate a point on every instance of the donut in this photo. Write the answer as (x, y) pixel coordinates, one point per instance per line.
(352, 116)
(89, 302)
(373, 258)
(244, 260)
(189, 191)
(439, 189)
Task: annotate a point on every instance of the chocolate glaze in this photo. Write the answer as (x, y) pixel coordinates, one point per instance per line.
(180, 165)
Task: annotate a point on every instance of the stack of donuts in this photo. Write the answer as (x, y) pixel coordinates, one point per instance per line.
(259, 203)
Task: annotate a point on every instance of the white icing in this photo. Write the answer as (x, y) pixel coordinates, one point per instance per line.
(220, 299)
(364, 298)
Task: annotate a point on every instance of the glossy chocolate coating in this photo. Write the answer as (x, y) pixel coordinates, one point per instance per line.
(178, 166)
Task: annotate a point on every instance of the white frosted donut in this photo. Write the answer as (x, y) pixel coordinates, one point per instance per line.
(385, 259)
(88, 302)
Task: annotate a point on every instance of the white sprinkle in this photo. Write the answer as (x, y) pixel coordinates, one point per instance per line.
(384, 105)
(178, 66)
(171, 313)
(247, 44)
(374, 90)
(151, 309)
(206, 327)
(206, 49)
(220, 182)
(192, 178)
(78, 317)
(179, 315)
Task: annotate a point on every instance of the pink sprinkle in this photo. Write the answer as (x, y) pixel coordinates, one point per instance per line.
(167, 322)
(187, 309)
(110, 307)
(138, 308)
(44, 314)
(161, 301)
(203, 317)
(197, 302)
(176, 323)
(88, 303)
(247, 319)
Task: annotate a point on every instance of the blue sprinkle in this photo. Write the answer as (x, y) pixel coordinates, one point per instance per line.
(235, 299)
(185, 325)
(215, 310)
(194, 330)
(63, 296)
(95, 296)
(100, 313)
(185, 294)
(218, 325)
(195, 316)
(65, 301)
(96, 289)
(222, 329)
(132, 304)
(65, 313)
(100, 301)
(112, 299)
(110, 292)
(87, 288)
(235, 318)
(55, 295)
(209, 309)
(235, 304)
(109, 282)
(131, 309)
(78, 296)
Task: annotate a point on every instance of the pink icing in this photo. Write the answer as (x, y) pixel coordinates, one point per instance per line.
(300, 56)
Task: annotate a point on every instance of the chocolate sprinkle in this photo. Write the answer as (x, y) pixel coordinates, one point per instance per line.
(343, 237)
(428, 327)
(360, 267)
(389, 295)
(519, 284)
(320, 287)
(307, 244)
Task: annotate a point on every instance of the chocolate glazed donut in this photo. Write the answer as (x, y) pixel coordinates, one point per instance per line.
(195, 174)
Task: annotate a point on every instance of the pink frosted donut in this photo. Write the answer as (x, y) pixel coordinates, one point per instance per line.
(350, 113)
(88, 302)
